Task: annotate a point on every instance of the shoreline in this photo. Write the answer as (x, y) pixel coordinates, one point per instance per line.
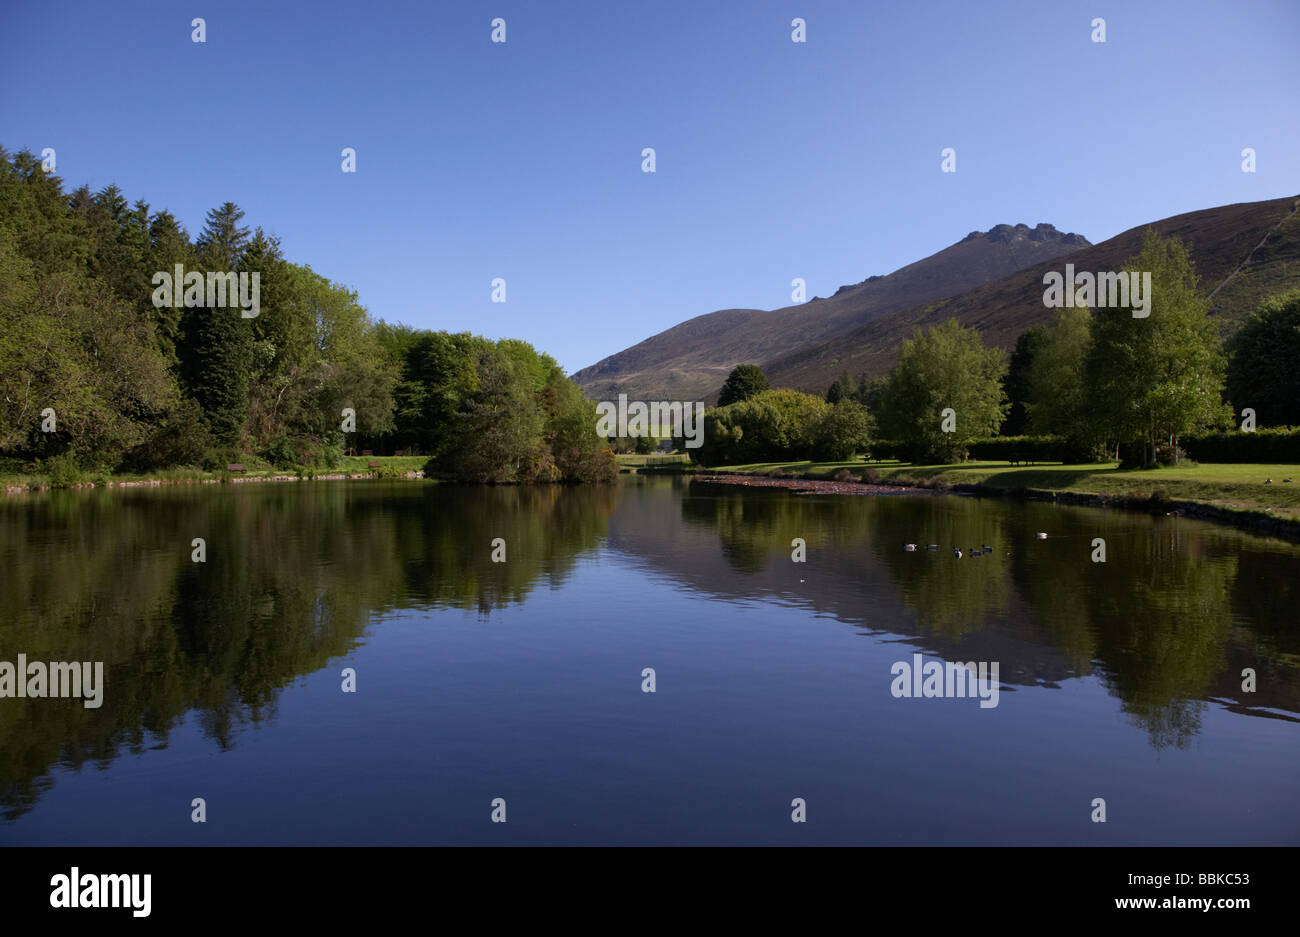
(1247, 519)
(1252, 521)
(219, 480)
(808, 484)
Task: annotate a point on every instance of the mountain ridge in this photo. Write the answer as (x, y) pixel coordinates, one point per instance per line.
(691, 359)
(991, 280)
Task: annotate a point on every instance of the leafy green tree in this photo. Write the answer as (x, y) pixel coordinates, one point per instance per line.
(68, 341)
(499, 424)
(774, 425)
(1264, 363)
(578, 453)
(844, 431)
(1056, 401)
(744, 381)
(945, 368)
(1156, 378)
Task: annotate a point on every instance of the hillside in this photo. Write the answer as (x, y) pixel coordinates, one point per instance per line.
(691, 360)
(990, 280)
(1242, 252)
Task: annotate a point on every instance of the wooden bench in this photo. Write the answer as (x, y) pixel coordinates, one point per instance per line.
(367, 452)
(235, 467)
(372, 464)
(1017, 460)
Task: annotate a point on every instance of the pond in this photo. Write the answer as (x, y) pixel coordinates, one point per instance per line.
(399, 662)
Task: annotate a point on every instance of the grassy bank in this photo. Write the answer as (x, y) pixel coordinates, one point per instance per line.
(13, 478)
(662, 462)
(1230, 486)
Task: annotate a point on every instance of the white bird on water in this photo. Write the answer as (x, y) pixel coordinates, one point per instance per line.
(1040, 535)
(910, 547)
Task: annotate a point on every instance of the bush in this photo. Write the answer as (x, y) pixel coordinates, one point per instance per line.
(62, 470)
(870, 476)
(1279, 444)
(844, 475)
(281, 454)
(181, 440)
(882, 449)
(1170, 455)
(773, 426)
(1035, 449)
(842, 432)
(216, 460)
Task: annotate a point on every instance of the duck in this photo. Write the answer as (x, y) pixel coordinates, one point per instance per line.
(909, 547)
(987, 548)
(932, 546)
(956, 552)
(1041, 535)
(1286, 481)
(1268, 481)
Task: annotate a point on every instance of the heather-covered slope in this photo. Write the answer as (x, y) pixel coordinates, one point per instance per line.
(1242, 252)
(691, 360)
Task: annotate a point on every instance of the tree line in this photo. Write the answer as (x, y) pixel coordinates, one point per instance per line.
(97, 376)
(1106, 384)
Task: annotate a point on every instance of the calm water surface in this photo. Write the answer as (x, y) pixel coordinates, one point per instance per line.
(522, 680)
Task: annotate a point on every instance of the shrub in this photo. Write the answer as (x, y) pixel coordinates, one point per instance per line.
(773, 426)
(281, 454)
(181, 440)
(1035, 449)
(216, 460)
(884, 449)
(1279, 444)
(62, 470)
(1170, 455)
(843, 431)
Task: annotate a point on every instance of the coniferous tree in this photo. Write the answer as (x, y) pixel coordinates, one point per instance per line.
(744, 381)
(1016, 385)
(221, 244)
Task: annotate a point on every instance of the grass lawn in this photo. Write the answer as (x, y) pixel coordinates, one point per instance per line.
(12, 476)
(633, 460)
(1230, 485)
(360, 463)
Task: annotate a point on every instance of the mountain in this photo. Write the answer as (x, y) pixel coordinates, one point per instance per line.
(1241, 253)
(691, 360)
(991, 280)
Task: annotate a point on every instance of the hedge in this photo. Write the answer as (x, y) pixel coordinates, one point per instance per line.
(1274, 445)
(884, 449)
(1021, 449)
(1277, 444)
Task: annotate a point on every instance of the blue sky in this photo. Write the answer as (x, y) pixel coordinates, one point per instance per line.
(522, 160)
